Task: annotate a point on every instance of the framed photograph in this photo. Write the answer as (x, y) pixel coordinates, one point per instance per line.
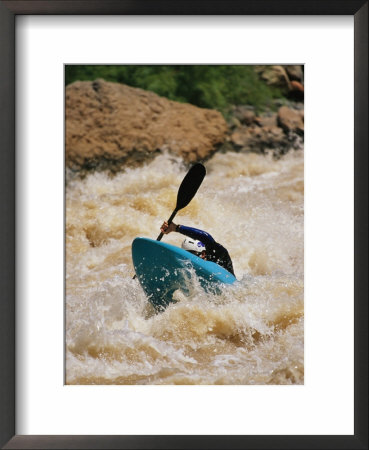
(215, 307)
(237, 133)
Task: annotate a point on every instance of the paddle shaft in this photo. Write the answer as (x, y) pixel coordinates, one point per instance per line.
(170, 220)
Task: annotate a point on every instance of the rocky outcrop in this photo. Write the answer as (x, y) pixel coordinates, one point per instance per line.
(254, 138)
(272, 131)
(274, 76)
(294, 72)
(289, 78)
(291, 120)
(245, 114)
(110, 125)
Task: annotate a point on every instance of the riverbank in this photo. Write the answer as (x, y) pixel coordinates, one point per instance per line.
(111, 126)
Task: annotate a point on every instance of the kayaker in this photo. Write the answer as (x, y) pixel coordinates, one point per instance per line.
(201, 244)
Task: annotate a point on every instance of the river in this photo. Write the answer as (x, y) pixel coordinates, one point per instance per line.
(252, 333)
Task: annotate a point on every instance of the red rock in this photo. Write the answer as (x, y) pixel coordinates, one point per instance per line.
(297, 86)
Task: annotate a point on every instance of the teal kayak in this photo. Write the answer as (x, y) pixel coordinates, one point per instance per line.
(163, 268)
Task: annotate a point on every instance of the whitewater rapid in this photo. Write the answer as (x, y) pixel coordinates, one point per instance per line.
(253, 333)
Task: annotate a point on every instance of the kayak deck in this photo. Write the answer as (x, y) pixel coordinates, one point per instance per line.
(163, 268)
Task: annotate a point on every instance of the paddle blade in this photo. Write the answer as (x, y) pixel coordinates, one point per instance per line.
(190, 185)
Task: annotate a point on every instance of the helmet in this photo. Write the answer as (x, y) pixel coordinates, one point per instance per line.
(193, 246)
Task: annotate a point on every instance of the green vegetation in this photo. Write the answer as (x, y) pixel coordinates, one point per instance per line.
(215, 87)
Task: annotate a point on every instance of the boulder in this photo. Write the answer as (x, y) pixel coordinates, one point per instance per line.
(233, 122)
(260, 139)
(110, 125)
(294, 72)
(288, 77)
(296, 91)
(241, 137)
(245, 114)
(274, 76)
(297, 86)
(269, 120)
(290, 120)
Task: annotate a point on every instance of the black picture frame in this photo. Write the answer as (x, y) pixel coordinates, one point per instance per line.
(8, 12)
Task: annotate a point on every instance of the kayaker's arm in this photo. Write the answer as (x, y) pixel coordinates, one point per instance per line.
(193, 233)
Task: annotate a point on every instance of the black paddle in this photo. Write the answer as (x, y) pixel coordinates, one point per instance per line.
(187, 190)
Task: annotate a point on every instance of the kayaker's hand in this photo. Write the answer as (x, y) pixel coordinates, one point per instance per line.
(165, 228)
